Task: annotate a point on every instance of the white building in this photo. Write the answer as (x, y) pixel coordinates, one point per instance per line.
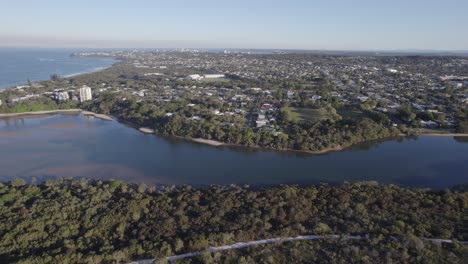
(63, 96)
(208, 76)
(261, 122)
(153, 74)
(195, 77)
(85, 94)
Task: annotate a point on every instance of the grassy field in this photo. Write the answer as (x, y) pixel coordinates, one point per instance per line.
(309, 114)
(350, 113)
(214, 80)
(314, 115)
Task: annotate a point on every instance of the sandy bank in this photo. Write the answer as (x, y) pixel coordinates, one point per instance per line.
(40, 113)
(100, 116)
(146, 130)
(208, 142)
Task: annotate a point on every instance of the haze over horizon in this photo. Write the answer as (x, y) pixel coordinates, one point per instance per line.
(298, 24)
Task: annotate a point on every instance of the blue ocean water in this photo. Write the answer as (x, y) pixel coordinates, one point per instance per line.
(17, 65)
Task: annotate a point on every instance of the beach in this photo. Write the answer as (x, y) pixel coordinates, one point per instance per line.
(100, 116)
(146, 130)
(208, 142)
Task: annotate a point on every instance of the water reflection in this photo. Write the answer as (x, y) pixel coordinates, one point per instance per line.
(461, 139)
(71, 145)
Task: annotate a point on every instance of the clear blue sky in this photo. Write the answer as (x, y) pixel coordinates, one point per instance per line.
(288, 24)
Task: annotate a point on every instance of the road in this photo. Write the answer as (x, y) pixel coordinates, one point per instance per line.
(273, 241)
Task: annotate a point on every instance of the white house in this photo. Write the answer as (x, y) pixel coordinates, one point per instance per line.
(195, 77)
(261, 123)
(63, 96)
(212, 76)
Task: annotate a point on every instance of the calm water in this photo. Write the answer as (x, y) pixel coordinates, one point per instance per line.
(19, 65)
(71, 145)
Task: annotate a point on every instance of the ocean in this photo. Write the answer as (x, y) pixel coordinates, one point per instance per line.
(18, 65)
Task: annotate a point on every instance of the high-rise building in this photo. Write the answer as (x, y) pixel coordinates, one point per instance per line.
(85, 94)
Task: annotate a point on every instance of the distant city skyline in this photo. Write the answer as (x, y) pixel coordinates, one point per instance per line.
(297, 24)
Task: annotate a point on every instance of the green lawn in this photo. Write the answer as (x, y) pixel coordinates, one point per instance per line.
(309, 114)
(350, 112)
(214, 80)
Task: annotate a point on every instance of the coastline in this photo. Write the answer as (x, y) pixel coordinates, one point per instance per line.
(100, 116)
(435, 133)
(209, 142)
(312, 152)
(146, 130)
(47, 112)
(444, 134)
(149, 131)
(60, 111)
(73, 74)
(215, 143)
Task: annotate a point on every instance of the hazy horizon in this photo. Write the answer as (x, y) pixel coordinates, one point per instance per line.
(296, 25)
(150, 48)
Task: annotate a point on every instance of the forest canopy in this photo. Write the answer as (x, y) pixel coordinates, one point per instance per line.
(94, 221)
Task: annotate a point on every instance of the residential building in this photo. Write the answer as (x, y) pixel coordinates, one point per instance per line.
(195, 77)
(208, 76)
(85, 94)
(63, 96)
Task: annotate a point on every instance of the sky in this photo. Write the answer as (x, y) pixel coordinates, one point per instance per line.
(252, 24)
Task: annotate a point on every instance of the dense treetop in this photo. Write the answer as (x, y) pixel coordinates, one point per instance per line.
(93, 221)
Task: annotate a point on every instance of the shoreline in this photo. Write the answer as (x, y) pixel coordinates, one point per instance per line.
(46, 112)
(66, 76)
(444, 134)
(215, 143)
(146, 130)
(312, 152)
(100, 116)
(435, 133)
(59, 111)
(209, 142)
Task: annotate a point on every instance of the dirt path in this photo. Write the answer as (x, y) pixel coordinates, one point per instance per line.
(272, 241)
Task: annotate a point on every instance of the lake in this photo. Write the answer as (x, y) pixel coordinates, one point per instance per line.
(17, 65)
(72, 145)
